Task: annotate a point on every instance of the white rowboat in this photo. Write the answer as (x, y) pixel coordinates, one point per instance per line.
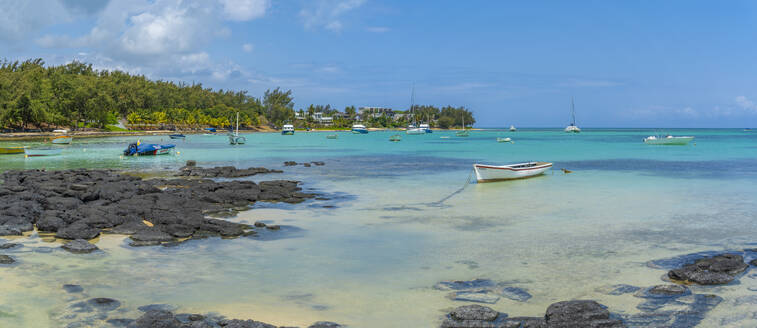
(62, 140)
(35, 152)
(488, 173)
(669, 140)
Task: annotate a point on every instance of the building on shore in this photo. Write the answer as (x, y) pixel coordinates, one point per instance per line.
(368, 112)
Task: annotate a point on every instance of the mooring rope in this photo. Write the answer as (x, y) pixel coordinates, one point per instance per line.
(467, 182)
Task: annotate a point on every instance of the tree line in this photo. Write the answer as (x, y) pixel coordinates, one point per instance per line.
(75, 95)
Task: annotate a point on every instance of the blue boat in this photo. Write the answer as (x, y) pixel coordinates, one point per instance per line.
(359, 128)
(210, 129)
(141, 149)
(177, 136)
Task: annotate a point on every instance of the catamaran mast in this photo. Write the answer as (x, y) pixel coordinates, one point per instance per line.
(572, 112)
(412, 104)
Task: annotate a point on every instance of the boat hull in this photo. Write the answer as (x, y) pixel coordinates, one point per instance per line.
(331, 136)
(572, 129)
(415, 131)
(674, 141)
(287, 133)
(11, 150)
(177, 136)
(62, 140)
(148, 149)
(359, 131)
(42, 152)
(489, 173)
(237, 140)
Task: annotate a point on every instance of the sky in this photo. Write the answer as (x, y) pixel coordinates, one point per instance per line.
(626, 63)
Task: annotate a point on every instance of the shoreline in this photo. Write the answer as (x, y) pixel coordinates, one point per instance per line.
(41, 136)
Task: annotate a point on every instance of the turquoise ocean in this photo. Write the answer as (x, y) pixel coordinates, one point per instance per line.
(370, 254)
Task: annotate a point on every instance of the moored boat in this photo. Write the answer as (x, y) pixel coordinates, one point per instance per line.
(572, 128)
(331, 136)
(287, 129)
(234, 137)
(412, 130)
(37, 152)
(177, 136)
(62, 140)
(504, 140)
(138, 148)
(395, 138)
(512, 128)
(488, 173)
(668, 140)
(11, 150)
(359, 129)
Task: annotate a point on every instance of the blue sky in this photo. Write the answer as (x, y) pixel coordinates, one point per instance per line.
(628, 64)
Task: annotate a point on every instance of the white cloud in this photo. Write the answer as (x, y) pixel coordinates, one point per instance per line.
(327, 13)
(746, 104)
(247, 47)
(21, 18)
(378, 29)
(657, 111)
(244, 10)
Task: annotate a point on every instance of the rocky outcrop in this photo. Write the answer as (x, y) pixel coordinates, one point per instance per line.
(5, 259)
(223, 172)
(81, 204)
(715, 270)
(580, 313)
(79, 246)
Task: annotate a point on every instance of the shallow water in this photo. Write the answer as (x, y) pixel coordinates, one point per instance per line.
(371, 256)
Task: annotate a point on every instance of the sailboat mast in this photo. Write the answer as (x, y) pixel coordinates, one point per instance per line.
(237, 132)
(572, 112)
(412, 104)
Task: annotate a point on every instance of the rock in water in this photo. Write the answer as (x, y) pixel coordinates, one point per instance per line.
(73, 288)
(716, 270)
(515, 294)
(80, 246)
(157, 319)
(5, 259)
(325, 324)
(569, 314)
(104, 303)
(9, 245)
(472, 316)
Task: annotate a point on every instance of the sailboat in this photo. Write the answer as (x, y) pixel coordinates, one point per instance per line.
(512, 128)
(413, 128)
(235, 138)
(572, 127)
(464, 132)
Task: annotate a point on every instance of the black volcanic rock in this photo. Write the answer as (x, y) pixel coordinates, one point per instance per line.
(715, 270)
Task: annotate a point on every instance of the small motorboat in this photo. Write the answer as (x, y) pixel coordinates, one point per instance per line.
(512, 128)
(426, 127)
(61, 137)
(463, 133)
(488, 173)
(177, 136)
(669, 140)
(412, 130)
(213, 130)
(444, 137)
(140, 149)
(38, 152)
(505, 140)
(331, 136)
(359, 129)
(395, 138)
(288, 129)
(11, 150)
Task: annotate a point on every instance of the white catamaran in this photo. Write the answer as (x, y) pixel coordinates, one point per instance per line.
(572, 127)
(234, 137)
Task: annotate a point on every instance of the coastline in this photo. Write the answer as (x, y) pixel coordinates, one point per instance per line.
(37, 136)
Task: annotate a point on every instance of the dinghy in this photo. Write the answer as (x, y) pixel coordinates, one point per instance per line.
(488, 173)
(504, 140)
(331, 136)
(38, 152)
(395, 138)
(138, 148)
(177, 136)
(669, 140)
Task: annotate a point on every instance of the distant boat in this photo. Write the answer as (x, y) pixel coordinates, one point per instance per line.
(235, 138)
(359, 129)
(426, 127)
(512, 128)
(11, 150)
(210, 129)
(464, 132)
(177, 136)
(288, 129)
(138, 148)
(747, 130)
(395, 138)
(412, 130)
(331, 136)
(488, 173)
(49, 151)
(572, 128)
(669, 140)
(61, 137)
(504, 140)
